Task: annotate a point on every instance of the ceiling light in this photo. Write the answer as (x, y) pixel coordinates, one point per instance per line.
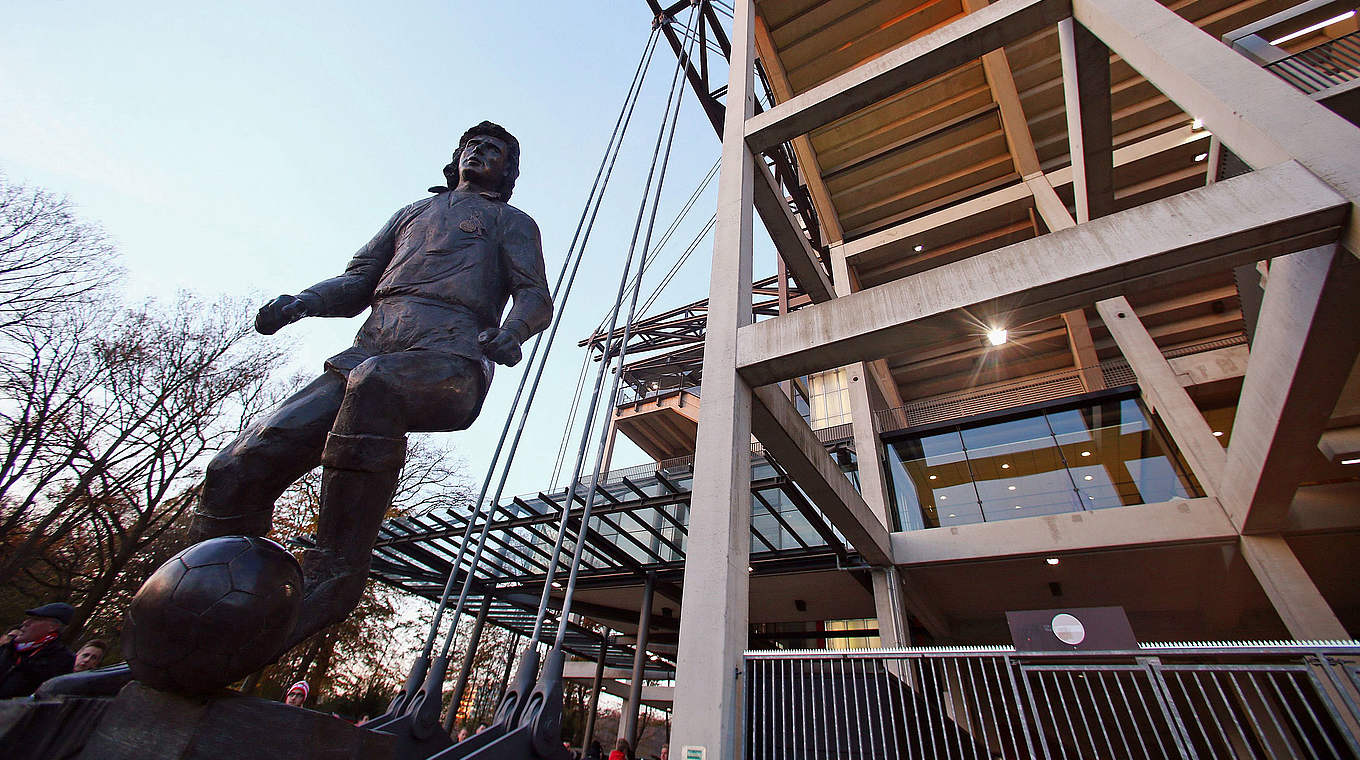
(919, 248)
(1218, 433)
(996, 336)
(944, 497)
(750, 569)
(1017, 506)
(1313, 28)
(1197, 124)
(1201, 157)
(1005, 465)
(1010, 488)
(1089, 477)
(932, 477)
(1086, 453)
(1052, 560)
(1351, 461)
(951, 514)
(1092, 498)
(556, 584)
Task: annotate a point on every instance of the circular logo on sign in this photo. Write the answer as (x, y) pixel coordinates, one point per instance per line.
(1068, 629)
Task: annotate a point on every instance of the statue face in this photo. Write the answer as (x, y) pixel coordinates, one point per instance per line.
(483, 161)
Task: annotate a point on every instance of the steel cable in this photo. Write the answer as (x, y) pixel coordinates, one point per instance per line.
(625, 119)
(570, 591)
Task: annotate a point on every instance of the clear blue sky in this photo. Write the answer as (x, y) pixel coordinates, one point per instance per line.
(249, 148)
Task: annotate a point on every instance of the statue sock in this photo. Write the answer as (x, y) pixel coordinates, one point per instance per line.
(358, 480)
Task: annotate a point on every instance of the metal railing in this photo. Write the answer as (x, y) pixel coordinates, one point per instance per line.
(1282, 700)
(1322, 67)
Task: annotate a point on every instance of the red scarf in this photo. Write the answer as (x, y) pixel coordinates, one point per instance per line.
(33, 646)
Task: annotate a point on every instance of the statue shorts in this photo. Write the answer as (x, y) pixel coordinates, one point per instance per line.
(404, 374)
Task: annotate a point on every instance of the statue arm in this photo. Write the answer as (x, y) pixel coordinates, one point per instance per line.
(532, 306)
(350, 293)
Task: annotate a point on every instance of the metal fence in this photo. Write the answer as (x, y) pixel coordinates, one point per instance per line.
(1320, 68)
(1283, 700)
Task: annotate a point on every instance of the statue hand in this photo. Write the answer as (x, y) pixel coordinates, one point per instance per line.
(500, 346)
(281, 311)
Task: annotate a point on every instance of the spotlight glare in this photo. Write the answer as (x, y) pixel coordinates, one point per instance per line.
(1218, 433)
(919, 248)
(1197, 124)
(1052, 560)
(1010, 488)
(1313, 28)
(1086, 453)
(996, 336)
(1201, 157)
(1089, 477)
(1351, 461)
(933, 477)
(1005, 465)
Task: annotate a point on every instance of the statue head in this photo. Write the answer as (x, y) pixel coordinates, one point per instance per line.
(511, 173)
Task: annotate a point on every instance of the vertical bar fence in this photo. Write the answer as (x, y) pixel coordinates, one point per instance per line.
(1222, 700)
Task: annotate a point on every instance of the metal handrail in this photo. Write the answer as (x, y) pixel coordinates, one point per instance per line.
(1331, 64)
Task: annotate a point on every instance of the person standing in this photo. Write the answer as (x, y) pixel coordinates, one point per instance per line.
(35, 653)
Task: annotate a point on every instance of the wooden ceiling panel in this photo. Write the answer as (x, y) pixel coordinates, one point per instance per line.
(899, 121)
(782, 12)
(889, 167)
(939, 255)
(857, 37)
(946, 175)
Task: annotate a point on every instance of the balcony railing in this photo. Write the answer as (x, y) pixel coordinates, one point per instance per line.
(1323, 67)
(1280, 700)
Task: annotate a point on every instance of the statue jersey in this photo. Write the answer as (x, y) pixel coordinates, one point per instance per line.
(438, 273)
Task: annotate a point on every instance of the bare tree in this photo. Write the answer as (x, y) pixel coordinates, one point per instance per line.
(49, 259)
(159, 389)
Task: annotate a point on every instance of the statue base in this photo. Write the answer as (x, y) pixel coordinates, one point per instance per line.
(142, 723)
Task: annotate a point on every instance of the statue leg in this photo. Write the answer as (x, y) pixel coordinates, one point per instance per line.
(385, 397)
(245, 478)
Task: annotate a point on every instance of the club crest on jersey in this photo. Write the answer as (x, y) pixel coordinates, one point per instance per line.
(472, 225)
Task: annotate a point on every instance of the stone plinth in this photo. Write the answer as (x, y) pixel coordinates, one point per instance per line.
(145, 724)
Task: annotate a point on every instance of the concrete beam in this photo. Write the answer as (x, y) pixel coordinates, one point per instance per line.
(1210, 366)
(921, 59)
(1296, 599)
(1083, 350)
(1173, 522)
(584, 670)
(1306, 342)
(810, 167)
(793, 246)
(1164, 394)
(787, 437)
(1340, 445)
(1256, 114)
(652, 696)
(1265, 213)
(1090, 130)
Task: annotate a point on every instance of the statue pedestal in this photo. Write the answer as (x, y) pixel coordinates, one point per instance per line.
(145, 724)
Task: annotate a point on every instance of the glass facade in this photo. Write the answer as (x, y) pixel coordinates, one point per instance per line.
(1068, 459)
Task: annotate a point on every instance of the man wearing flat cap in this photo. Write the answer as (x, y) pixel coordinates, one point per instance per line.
(34, 652)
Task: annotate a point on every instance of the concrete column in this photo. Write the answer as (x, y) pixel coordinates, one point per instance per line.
(714, 623)
(1164, 393)
(1297, 601)
(628, 726)
(595, 695)
(889, 608)
(460, 686)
